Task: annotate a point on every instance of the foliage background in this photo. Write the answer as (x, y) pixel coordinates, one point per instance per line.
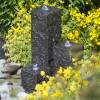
(8, 8)
(80, 24)
(15, 25)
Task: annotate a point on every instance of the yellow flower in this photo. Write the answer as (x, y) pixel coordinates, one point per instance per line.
(17, 30)
(49, 83)
(33, 6)
(30, 97)
(51, 79)
(46, 2)
(60, 70)
(45, 94)
(96, 21)
(98, 43)
(57, 93)
(22, 11)
(76, 34)
(67, 73)
(27, 17)
(88, 20)
(72, 87)
(42, 73)
(70, 35)
(74, 59)
(77, 74)
(93, 36)
(38, 87)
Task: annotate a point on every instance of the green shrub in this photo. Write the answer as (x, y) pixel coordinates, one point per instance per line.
(8, 11)
(8, 8)
(18, 44)
(6, 14)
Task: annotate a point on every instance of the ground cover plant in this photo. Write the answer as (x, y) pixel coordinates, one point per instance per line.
(68, 83)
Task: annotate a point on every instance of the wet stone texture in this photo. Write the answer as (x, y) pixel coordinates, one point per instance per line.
(45, 34)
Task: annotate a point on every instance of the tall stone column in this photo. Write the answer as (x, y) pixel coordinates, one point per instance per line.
(46, 30)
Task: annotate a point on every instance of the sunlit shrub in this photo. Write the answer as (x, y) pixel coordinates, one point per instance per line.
(8, 8)
(18, 44)
(82, 28)
(6, 15)
(67, 83)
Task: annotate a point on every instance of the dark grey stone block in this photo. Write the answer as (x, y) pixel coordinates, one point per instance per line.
(61, 57)
(46, 29)
(2, 42)
(2, 53)
(30, 76)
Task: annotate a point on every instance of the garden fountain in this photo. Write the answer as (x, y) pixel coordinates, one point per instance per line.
(48, 53)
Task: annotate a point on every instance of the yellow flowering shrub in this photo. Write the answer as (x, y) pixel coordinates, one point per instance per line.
(83, 28)
(67, 83)
(59, 86)
(18, 46)
(90, 66)
(63, 84)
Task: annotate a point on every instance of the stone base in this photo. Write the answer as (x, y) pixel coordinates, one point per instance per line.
(29, 78)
